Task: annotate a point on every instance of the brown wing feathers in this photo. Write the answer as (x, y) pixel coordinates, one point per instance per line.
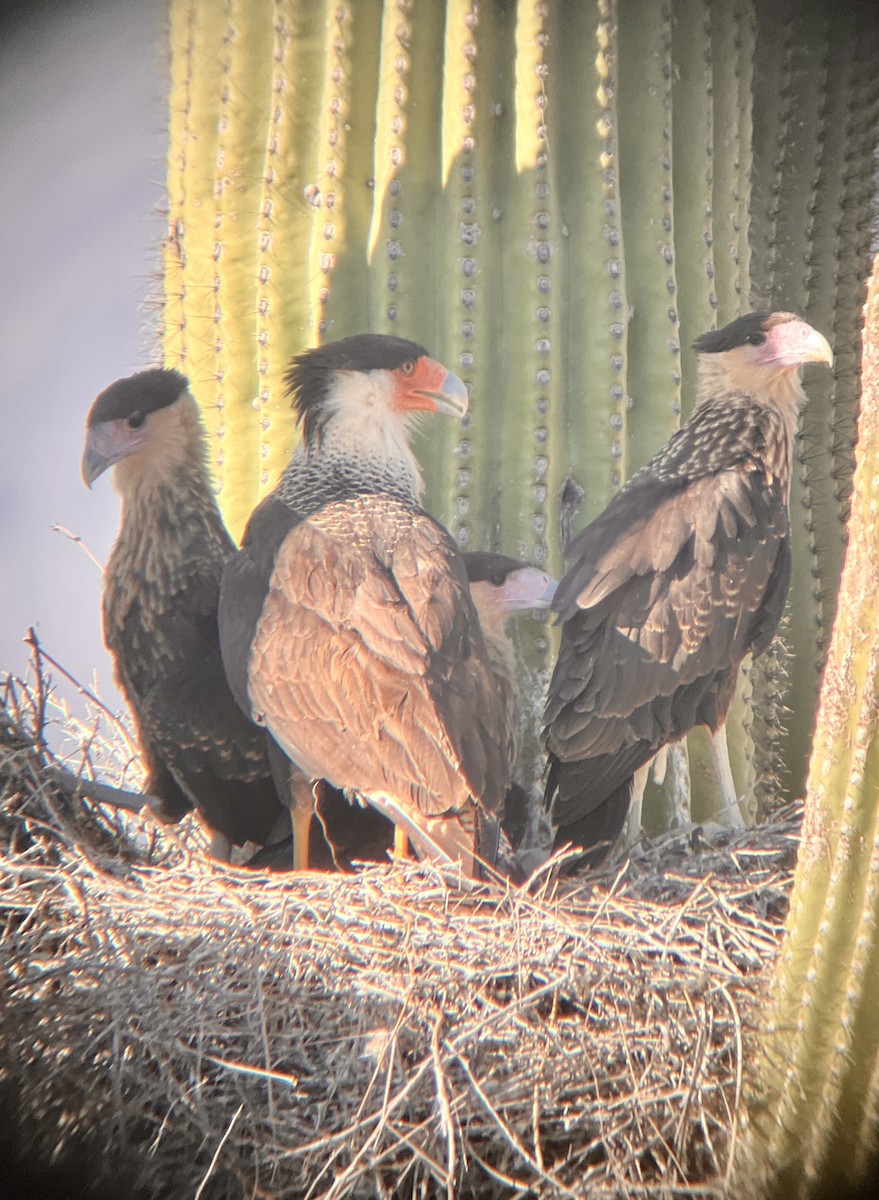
(663, 627)
(366, 654)
(683, 574)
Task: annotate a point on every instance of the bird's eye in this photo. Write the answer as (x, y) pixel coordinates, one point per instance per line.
(755, 339)
(136, 420)
(498, 579)
(408, 367)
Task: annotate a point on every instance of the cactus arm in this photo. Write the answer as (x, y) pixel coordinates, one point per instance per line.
(246, 68)
(402, 246)
(692, 169)
(459, 456)
(817, 1080)
(196, 74)
(693, 165)
(811, 482)
(471, 472)
(857, 137)
(181, 45)
(771, 78)
(594, 305)
(347, 186)
(645, 79)
(531, 271)
(732, 55)
(826, 260)
(290, 192)
(326, 195)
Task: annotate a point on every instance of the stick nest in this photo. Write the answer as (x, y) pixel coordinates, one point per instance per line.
(224, 1033)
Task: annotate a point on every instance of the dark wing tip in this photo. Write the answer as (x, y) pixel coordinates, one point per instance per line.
(737, 332)
(145, 392)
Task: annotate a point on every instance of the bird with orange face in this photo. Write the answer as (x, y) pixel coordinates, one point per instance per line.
(346, 621)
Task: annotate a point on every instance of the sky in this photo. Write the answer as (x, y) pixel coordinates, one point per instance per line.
(83, 138)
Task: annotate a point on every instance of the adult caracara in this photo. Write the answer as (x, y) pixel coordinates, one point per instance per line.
(346, 622)
(161, 589)
(684, 573)
(342, 833)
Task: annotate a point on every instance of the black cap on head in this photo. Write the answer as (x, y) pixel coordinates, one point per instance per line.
(739, 331)
(144, 392)
(309, 374)
(481, 565)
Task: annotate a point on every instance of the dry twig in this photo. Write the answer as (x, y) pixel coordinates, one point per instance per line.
(244, 1034)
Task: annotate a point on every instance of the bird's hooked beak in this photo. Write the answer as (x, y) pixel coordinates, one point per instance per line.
(793, 343)
(451, 397)
(529, 587)
(430, 386)
(106, 443)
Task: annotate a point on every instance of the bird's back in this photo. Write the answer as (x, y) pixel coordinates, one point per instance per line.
(684, 574)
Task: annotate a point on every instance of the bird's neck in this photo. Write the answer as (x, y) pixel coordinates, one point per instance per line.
(773, 400)
(781, 391)
(500, 649)
(171, 530)
(352, 458)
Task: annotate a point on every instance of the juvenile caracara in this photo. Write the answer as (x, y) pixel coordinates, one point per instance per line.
(346, 621)
(161, 589)
(684, 573)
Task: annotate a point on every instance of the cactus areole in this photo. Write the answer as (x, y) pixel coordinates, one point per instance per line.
(684, 573)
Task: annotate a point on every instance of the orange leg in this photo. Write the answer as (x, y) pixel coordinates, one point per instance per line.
(301, 813)
(401, 843)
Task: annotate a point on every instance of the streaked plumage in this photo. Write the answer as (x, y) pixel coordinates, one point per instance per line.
(684, 573)
(161, 589)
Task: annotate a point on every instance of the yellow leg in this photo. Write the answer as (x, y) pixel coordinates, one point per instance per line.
(401, 843)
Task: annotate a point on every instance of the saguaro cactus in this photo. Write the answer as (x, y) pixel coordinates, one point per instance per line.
(553, 197)
(810, 230)
(814, 1126)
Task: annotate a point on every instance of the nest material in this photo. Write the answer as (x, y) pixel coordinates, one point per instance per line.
(224, 1033)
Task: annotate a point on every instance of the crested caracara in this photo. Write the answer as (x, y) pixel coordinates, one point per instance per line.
(161, 589)
(346, 622)
(342, 833)
(684, 573)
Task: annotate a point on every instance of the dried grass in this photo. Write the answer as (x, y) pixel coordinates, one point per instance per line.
(234, 1034)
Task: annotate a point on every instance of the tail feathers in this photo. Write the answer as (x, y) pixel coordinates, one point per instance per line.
(588, 821)
(598, 830)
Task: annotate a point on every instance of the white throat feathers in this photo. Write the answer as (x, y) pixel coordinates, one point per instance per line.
(363, 425)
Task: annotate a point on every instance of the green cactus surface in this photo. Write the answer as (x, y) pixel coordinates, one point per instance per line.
(556, 199)
(813, 1123)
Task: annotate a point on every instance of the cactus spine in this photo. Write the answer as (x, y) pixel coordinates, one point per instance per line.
(555, 198)
(814, 1124)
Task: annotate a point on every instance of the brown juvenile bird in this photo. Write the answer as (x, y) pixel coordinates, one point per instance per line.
(161, 589)
(346, 621)
(684, 573)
